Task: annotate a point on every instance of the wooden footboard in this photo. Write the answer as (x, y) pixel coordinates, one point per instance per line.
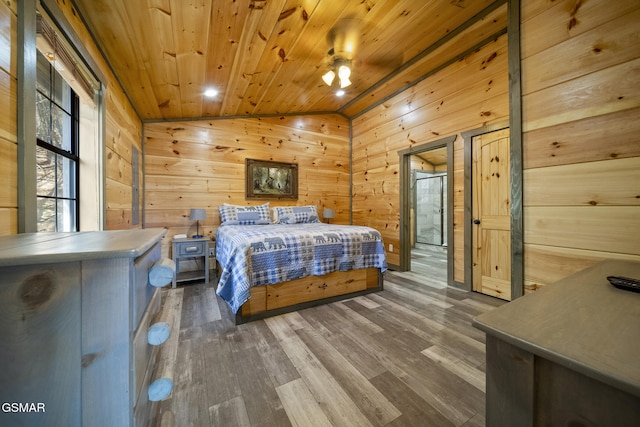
(271, 300)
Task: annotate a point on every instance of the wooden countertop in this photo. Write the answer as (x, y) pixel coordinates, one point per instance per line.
(581, 322)
(30, 248)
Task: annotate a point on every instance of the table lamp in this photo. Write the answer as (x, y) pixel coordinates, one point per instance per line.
(328, 214)
(197, 214)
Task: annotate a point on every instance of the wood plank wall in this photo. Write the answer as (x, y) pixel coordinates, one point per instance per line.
(8, 118)
(581, 98)
(580, 71)
(580, 65)
(123, 126)
(200, 164)
(468, 94)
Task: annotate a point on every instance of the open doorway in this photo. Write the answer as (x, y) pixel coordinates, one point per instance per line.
(429, 213)
(426, 217)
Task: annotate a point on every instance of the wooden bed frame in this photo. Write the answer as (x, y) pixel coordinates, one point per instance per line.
(271, 300)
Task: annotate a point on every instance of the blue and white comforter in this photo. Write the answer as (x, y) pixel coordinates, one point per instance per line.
(254, 255)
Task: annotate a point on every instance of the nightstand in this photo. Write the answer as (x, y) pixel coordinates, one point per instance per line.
(190, 248)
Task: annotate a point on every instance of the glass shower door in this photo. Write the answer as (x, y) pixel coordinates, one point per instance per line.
(431, 203)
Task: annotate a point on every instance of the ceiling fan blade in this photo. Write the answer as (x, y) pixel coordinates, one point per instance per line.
(344, 37)
(384, 64)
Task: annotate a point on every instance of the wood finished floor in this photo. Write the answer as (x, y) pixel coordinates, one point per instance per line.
(405, 356)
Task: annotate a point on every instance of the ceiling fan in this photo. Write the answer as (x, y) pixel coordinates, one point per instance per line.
(343, 40)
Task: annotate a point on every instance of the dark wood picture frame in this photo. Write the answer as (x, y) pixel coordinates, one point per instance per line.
(265, 179)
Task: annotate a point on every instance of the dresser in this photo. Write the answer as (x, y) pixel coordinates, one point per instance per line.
(567, 354)
(75, 309)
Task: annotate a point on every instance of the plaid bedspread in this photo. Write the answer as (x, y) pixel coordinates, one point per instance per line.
(254, 255)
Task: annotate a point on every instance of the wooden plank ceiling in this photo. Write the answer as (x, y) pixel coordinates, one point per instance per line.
(436, 157)
(268, 56)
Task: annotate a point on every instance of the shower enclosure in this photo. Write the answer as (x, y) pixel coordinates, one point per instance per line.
(430, 202)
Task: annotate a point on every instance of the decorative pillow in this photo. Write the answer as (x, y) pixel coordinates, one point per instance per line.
(296, 214)
(245, 215)
(274, 215)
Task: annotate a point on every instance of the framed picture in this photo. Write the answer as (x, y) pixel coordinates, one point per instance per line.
(265, 179)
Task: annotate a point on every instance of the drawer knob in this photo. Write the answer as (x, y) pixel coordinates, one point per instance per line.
(191, 249)
(160, 389)
(162, 272)
(158, 333)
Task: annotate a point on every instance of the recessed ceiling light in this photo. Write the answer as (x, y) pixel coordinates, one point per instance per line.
(340, 92)
(210, 93)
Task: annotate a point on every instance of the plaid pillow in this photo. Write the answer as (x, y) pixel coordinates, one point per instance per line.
(296, 214)
(244, 215)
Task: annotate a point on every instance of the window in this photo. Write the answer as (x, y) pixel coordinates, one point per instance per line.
(68, 116)
(57, 162)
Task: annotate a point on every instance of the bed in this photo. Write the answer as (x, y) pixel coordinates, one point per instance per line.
(268, 269)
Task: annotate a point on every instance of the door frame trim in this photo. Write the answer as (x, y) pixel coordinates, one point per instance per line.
(515, 162)
(515, 149)
(405, 198)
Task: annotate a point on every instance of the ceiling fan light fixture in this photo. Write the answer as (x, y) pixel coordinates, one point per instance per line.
(343, 73)
(328, 77)
(341, 68)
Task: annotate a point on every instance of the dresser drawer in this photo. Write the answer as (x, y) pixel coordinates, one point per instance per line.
(143, 291)
(193, 248)
(143, 352)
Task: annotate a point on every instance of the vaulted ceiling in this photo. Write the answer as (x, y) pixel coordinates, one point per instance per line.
(268, 56)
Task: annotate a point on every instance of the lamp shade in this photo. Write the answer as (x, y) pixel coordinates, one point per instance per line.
(327, 213)
(328, 77)
(197, 214)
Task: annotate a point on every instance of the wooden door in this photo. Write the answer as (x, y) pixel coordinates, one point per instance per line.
(491, 214)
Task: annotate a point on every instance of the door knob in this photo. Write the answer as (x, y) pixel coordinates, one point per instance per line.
(476, 221)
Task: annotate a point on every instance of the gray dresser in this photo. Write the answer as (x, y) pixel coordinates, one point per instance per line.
(74, 314)
(566, 355)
